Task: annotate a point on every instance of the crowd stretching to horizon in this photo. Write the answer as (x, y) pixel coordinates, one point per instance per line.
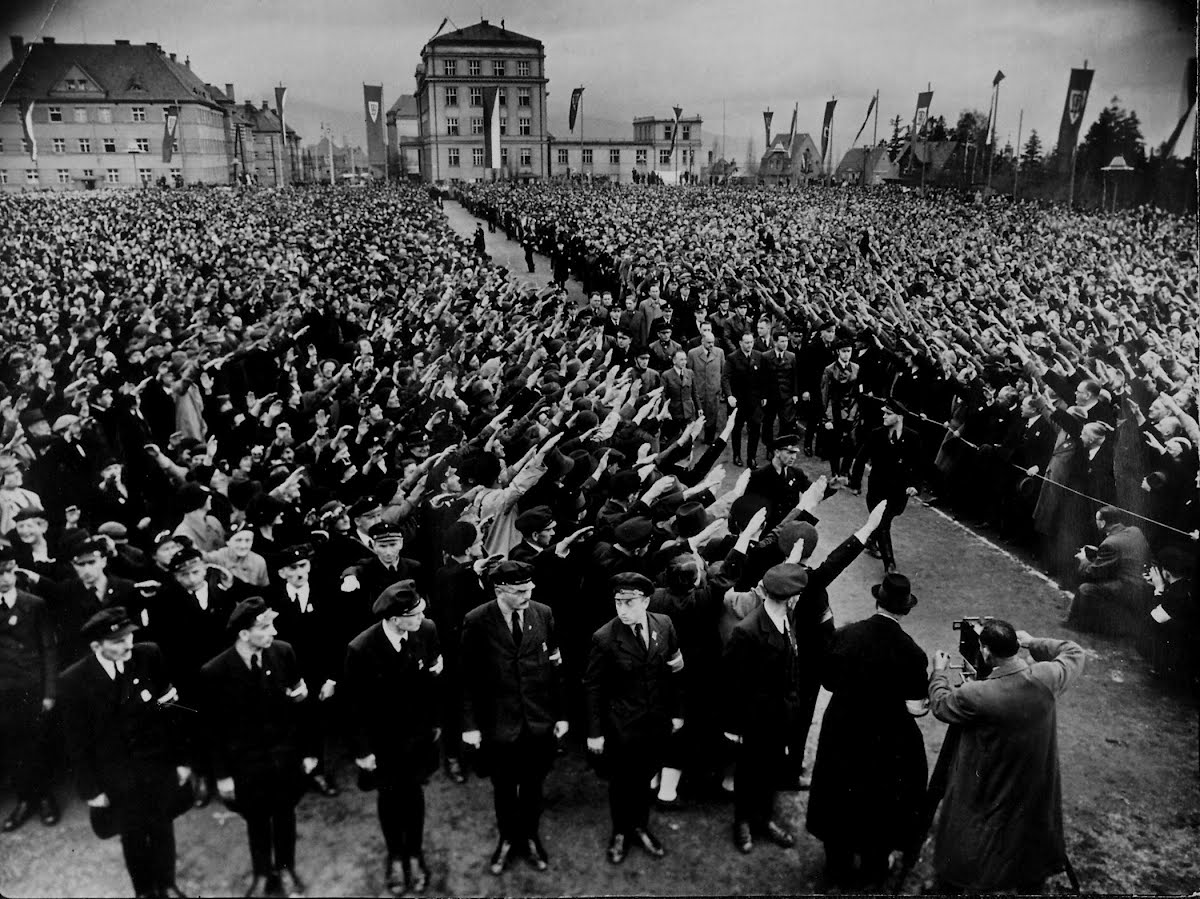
(316, 396)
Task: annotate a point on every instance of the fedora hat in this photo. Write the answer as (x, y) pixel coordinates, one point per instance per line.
(894, 594)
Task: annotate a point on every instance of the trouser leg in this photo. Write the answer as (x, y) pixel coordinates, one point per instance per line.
(258, 831)
(389, 803)
(283, 833)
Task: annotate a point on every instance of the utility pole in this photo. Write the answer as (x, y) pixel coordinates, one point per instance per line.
(1017, 170)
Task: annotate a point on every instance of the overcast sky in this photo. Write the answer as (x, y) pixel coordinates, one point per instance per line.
(641, 58)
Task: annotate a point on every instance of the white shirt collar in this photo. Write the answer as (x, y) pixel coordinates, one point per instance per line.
(397, 640)
(9, 598)
(779, 618)
(110, 667)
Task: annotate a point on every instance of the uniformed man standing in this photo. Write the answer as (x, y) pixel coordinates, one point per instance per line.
(251, 702)
(634, 704)
(513, 705)
(397, 663)
(780, 481)
(124, 744)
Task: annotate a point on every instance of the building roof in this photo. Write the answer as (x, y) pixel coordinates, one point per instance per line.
(855, 158)
(405, 107)
(779, 144)
(119, 72)
(261, 120)
(484, 32)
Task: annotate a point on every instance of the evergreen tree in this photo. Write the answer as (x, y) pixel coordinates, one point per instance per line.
(1116, 132)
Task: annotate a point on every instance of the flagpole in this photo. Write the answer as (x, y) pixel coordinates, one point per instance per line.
(580, 133)
(992, 135)
(1017, 170)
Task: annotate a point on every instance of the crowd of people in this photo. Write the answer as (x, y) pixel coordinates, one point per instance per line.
(322, 415)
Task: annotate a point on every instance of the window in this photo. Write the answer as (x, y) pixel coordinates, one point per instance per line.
(664, 157)
(504, 155)
(474, 67)
(139, 113)
(451, 96)
(639, 157)
(60, 145)
(177, 177)
(452, 126)
(81, 114)
(3, 177)
(587, 155)
(523, 96)
(502, 96)
(666, 132)
(55, 113)
(524, 126)
(453, 156)
(143, 144)
(110, 145)
(450, 67)
(503, 126)
(104, 115)
(113, 176)
(166, 111)
(526, 156)
(89, 173)
(174, 145)
(1, 145)
(24, 145)
(476, 96)
(614, 157)
(523, 68)
(563, 158)
(85, 145)
(477, 157)
(685, 132)
(477, 126)
(31, 176)
(498, 70)
(64, 176)
(73, 85)
(147, 176)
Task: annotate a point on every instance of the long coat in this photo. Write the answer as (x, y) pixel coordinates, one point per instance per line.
(1001, 819)
(708, 367)
(869, 779)
(679, 389)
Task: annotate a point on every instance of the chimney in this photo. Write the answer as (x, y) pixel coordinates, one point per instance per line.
(229, 92)
(483, 21)
(47, 40)
(18, 45)
(266, 108)
(172, 57)
(188, 62)
(152, 45)
(120, 42)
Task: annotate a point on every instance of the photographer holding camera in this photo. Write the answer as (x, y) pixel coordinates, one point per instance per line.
(1001, 825)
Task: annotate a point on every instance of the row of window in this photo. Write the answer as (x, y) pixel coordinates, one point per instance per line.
(111, 176)
(84, 145)
(475, 68)
(524, 126)
(455, 159)
(614, 156)
(102, 114)
(475, 96)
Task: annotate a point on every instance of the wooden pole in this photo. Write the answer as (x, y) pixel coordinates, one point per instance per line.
(1017, 170)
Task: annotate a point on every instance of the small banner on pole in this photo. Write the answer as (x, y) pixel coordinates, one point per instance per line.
(576, 97)
(1072, 117)
(170, 125)
(826, 125)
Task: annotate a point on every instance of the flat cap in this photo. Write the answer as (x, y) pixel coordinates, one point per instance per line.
(631, 582)
(294, 555)
(536, 519)
(365, 506)
(30, 512)
(111, 623)
(634, 532)
(185, 557)
(113, 529)
(510, 573)
(88, 550)
(401, 598)
(63, 422)
(249, 612)
(385, 532)
(785, 580)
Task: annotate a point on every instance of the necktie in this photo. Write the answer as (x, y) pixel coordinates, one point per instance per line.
(793, 670)
(256, 665)
(637, 631)
(516, 627)
(121, 681)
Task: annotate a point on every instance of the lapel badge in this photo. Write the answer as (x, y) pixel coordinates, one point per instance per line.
(145, 694)
(420, 664)
(12, 622)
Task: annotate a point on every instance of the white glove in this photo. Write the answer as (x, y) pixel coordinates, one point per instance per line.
(472, 738)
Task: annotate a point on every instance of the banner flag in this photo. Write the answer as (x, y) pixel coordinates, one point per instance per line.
(280, 100)
(675, 128)
(999, 77)
(1189, 103)
(170, 124)
(27, 128)
(826, 126)
(373, 113)
(924, 99)
(792, 130)
(1072, 117)
(491, 127)
(866, 118)
(576, 99)
(767, 116)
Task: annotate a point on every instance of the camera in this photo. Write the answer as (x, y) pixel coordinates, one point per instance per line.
(968, 645)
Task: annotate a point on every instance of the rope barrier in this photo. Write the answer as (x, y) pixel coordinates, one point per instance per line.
(1193, 536)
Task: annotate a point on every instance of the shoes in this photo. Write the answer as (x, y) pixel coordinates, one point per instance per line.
(889, 568)
(501, 856)
(617, 849)
(48, 811)
(22, 813)
(201, 791)
(419, 881)
(649, 842)
(872, 550)
(737, 460)
(455, 771)
(779, 836)
(536, 853)
(261, 886)
(172, 891)
(667, 804)
(289, 883)
(741, 837)
(319, 783)
(396, 875)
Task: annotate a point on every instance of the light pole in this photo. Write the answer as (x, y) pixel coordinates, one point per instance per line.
(133, 152)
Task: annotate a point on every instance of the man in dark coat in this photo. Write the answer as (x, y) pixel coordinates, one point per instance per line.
(783, 387)
(1000, 827)
(894, 452)
(780, 481)
(397, 660)
(1113, 597)
(745, 388)
(869, 778)
(28, 690)
(635, 703)
(364, 581)
(250, 703)
(306, 616)
(840, 390)
(123, 742)
(513, 705)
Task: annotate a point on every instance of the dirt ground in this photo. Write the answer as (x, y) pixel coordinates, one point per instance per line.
(1131, 795)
